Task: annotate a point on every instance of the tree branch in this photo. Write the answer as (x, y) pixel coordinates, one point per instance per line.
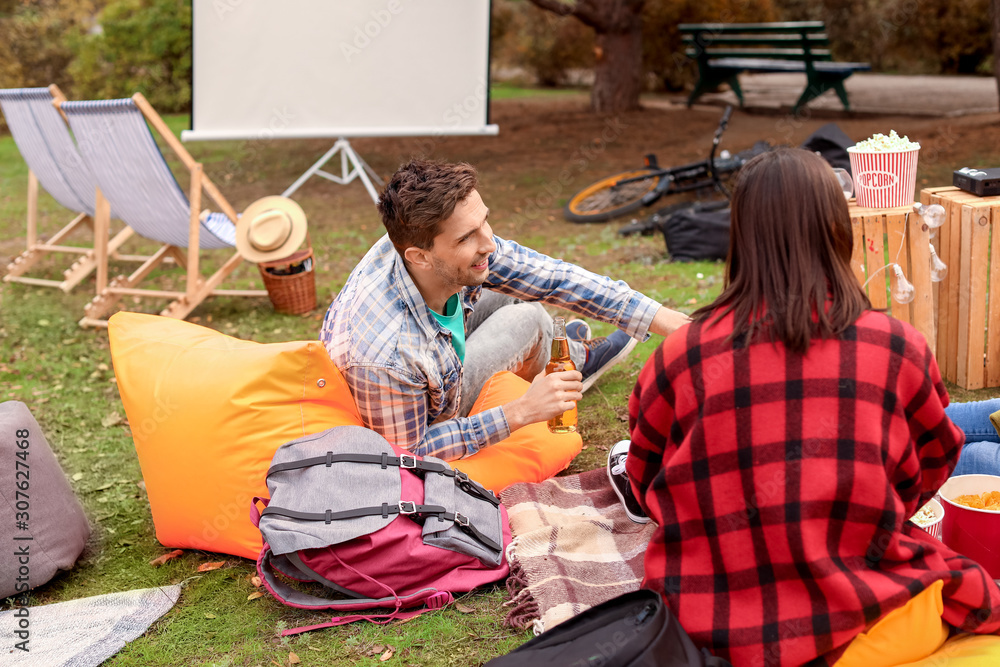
(556, 6)
(594, 13)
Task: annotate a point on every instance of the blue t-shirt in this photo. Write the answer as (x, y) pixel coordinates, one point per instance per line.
(454, 321)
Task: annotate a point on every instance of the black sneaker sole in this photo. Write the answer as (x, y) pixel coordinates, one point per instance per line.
(636, 518)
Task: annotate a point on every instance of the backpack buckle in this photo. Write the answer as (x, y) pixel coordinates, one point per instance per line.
(407, 507)
(461, 477)
(407, 461)
(461, 520)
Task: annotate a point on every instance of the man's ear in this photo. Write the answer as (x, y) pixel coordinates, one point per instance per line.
(417, 257)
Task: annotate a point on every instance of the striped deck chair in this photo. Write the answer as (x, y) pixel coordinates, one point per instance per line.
(43, 138)
(134, 179)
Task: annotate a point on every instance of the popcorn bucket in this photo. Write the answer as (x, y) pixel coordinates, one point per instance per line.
(934, 526)
(884, 179)
(969, 531)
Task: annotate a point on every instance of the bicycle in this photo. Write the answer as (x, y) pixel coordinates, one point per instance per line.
(628, 191)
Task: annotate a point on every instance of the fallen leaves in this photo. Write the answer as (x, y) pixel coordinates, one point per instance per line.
(384, 652)
(464, 608)
(157, 562)
(112, 419)
(293, 659)
(255, 595)
(208, 567)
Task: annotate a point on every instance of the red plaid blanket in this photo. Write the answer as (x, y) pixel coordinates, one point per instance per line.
(573, 548)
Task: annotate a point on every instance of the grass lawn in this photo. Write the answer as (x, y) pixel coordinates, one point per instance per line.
(549, 147)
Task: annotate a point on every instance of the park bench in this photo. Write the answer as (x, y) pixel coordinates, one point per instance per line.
(724, 50)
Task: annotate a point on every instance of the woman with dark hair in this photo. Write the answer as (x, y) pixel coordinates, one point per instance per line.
(782, 440)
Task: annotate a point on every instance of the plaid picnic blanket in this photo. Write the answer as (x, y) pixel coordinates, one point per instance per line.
(574, 547)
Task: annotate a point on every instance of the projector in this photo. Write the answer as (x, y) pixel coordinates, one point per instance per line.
(982, 182)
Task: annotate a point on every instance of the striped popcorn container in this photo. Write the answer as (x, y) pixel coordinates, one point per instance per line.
(884, 179)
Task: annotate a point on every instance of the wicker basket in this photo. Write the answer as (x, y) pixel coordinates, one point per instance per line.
(294, 293)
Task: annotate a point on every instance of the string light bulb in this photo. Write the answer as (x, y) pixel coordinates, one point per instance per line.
(938, 268)
(902, 291)
(933, 215)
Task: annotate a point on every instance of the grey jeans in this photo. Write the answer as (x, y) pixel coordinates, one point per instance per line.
(507, 334)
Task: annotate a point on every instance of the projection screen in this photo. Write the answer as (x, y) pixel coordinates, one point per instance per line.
(339, 68)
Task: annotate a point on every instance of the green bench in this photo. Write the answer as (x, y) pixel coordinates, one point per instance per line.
(724, 50)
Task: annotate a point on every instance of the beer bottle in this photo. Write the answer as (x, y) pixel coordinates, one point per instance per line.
(559, 361)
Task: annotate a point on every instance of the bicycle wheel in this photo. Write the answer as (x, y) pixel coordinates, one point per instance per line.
(605, 200)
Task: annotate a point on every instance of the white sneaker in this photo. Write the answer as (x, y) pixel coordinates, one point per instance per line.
(619, 481)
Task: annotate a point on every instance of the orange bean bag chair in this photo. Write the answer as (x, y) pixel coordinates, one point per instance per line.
(915, 636)
(207, 412)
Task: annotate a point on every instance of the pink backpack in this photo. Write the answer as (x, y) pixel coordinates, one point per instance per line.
(376, 526)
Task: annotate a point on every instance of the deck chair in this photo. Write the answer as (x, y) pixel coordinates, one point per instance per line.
(43, 138)
(133, 178)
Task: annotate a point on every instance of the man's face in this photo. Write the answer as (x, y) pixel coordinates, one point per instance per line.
(461, 250)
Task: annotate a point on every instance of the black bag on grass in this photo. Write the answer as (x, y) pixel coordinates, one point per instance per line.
(632, 630)
(832, 144)
(698, 232)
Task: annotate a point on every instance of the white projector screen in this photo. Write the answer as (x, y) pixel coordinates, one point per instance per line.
(339, 68)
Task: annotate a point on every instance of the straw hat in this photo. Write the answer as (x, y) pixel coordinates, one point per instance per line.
(270, 228)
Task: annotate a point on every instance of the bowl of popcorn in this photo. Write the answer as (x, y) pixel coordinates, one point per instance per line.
(929, 517)
(884, 168)
(971, 524)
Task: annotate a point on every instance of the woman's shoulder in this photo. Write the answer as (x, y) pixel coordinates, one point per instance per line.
(697, 333)
(876, 320)
(879, 328)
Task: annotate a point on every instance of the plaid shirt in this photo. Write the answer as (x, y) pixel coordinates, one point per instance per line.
(782, 485)
(399, 361)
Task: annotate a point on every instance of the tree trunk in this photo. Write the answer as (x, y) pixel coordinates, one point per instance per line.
(618, 70)
(995, 5)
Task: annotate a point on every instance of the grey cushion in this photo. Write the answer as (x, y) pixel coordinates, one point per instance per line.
(46, 519)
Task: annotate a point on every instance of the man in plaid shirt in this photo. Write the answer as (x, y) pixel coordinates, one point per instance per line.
(782, 441)
(417, 336)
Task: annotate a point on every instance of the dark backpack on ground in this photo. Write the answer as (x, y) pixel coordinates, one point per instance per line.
(697, 232)
(832, 144)
(632, 630)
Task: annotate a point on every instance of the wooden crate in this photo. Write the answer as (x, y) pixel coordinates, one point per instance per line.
(968, 343)
(884, 235)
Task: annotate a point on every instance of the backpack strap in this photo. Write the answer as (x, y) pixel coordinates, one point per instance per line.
(254, 512)
(404, 507)
(437, 601)
(406, 461)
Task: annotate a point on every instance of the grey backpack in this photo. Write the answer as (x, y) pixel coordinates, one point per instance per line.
(375, 527)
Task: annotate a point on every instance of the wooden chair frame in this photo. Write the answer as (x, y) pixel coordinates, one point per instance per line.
(197, 287)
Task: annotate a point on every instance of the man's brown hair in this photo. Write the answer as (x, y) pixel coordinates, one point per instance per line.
(421, 195)
(788, 274)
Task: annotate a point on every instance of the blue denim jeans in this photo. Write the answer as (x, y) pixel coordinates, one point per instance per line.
(507, 334)
(981, 453)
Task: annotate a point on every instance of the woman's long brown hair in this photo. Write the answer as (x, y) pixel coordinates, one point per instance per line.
(788, 274)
